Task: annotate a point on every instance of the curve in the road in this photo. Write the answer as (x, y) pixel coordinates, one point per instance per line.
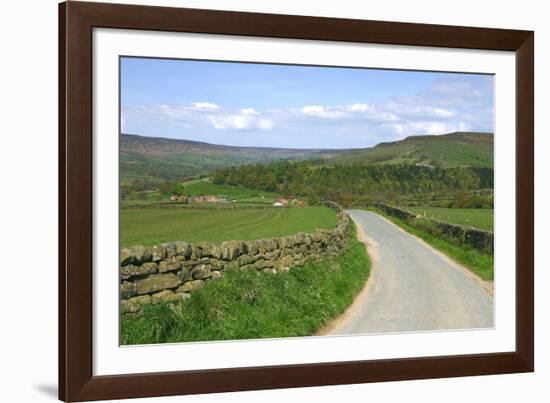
(412, 287)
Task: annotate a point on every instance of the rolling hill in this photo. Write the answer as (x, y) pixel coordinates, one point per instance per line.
(158, 159)
(449, 150)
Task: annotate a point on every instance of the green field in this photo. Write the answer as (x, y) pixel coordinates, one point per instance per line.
(205, 187)
(247, 304)
(150, 226)
(468, 217)
(200, 187)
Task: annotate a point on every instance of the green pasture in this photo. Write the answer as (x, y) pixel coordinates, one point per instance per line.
(206, 187)
(477, 218)
(150, 226)
(200, 187)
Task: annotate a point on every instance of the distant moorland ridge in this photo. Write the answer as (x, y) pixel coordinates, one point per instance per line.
(164, 158)
(160, 159)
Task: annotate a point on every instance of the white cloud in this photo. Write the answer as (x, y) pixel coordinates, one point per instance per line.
(411, 128)
(265, 124)
(448, 105)
(353, 112)
(207, 106)
(322, 112)
(360, 108)
(203, 114)
(248, 111)
(246, 119)
(415, 110)
(457, 87)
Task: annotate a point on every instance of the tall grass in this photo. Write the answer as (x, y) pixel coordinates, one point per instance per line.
(254, 305)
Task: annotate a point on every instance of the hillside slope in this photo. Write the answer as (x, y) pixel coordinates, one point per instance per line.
(449, 150)
(160, 158)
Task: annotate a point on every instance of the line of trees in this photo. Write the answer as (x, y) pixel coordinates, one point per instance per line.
(354, 182)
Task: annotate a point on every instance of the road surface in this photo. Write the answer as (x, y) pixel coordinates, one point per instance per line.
(412, 287)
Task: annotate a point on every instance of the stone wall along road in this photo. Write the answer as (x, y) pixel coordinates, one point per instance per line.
(476, 238)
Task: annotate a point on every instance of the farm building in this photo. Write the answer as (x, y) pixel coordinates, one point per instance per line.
(289, 201)
(176, 198)
(283, 201)
(298, 203)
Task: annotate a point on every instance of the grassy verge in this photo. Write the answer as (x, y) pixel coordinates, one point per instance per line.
(479, 263)
(253, 305)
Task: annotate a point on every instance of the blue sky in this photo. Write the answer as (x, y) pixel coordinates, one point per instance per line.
(268, 105)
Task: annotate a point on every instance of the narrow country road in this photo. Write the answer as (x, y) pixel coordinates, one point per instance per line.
(412, 287)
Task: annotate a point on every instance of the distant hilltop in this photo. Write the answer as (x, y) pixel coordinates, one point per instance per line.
(158, 158)
(472, 149)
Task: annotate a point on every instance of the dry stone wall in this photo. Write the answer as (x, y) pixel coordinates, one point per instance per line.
(479, 239)
(171, 271)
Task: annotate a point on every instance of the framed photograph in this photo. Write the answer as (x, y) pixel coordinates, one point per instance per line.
(253, 201)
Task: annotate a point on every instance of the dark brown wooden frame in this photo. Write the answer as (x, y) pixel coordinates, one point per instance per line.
(76, 22)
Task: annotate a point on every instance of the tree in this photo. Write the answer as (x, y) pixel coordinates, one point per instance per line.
(178, 189)
(166, 187)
